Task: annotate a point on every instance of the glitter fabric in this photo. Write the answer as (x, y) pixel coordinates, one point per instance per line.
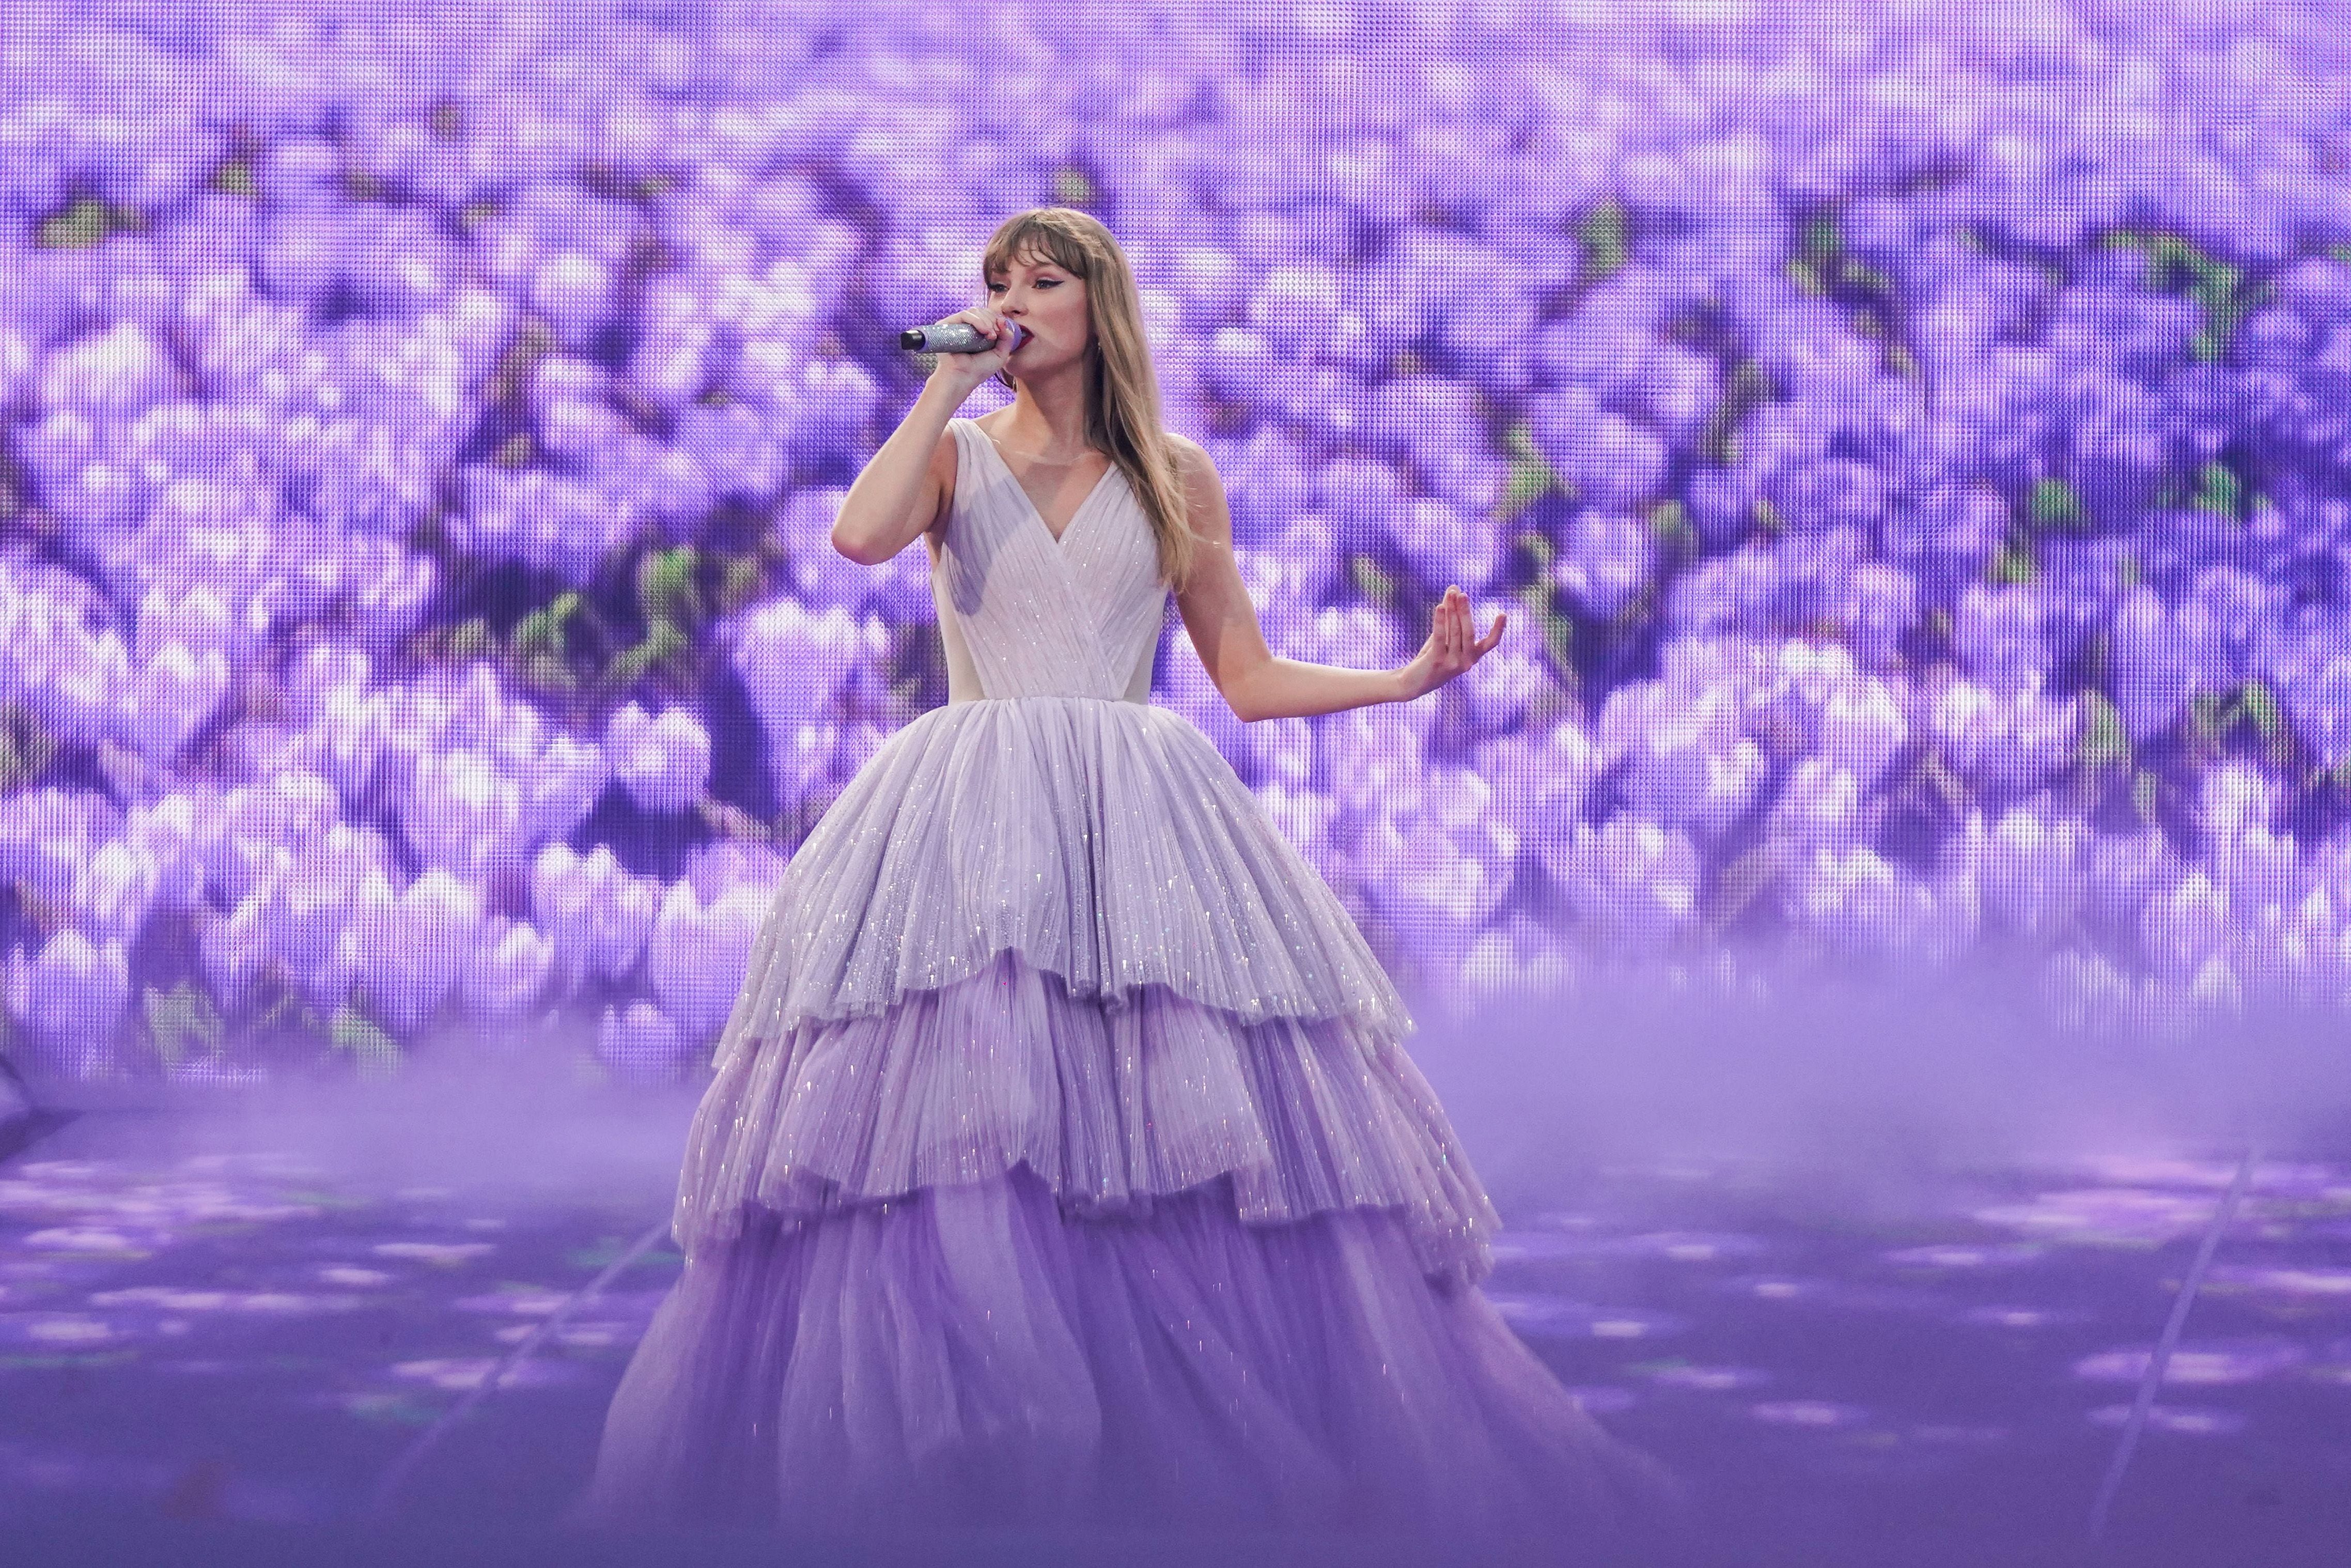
(1047, 923)
(1063, 1160)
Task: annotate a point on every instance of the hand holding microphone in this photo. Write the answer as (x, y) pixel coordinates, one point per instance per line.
(971, 345)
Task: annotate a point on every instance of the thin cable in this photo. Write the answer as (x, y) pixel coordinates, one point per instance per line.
(2153, 1377)
(387, 1489)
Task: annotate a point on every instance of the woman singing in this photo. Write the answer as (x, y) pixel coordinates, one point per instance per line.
(1063, 1163)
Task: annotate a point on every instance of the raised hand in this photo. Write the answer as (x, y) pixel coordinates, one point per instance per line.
(1452, 647)
(964, 372)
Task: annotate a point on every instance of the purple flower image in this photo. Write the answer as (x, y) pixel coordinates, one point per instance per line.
(1914, 473)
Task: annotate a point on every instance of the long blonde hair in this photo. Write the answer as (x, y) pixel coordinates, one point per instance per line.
(1122, 409)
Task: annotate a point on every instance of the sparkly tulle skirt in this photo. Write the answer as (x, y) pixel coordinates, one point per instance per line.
(1063, 1167)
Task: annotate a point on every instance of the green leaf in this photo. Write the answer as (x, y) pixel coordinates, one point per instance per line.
(474, 640)
(2217, 286)
(1531, 477)
(25, 748)
(2143, 787)
(85, 221)
(739, 583)
(1862, 274)
(1602, 237)
(2055, 505)
(2014, 562)
(549, 672)
(1370, 581)
(542, 631)
(2207, 715)
(666, 589)
(1670, 529)
(1558, 630)
(235, 178)
(664, 647)
(2258, 704)
(1822, 242)
(2220, 491)
(1743, 388)
(2104, 740)
(179, 1018)
(376, 1052)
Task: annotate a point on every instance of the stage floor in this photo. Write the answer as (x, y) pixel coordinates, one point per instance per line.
(212, 1322)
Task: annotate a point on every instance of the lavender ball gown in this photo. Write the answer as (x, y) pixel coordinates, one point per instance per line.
(1062, 1164)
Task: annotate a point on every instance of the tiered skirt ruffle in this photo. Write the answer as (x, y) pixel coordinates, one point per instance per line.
(973, 1356)
(1063, 1164)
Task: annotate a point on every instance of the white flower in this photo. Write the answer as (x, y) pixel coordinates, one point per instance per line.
(597, 915)
(792, 663)
(509, 969)
(76, 987)
(175, 694)
(664, 763)
(413, 945)
(640, 1045)
(1451, 861)
(1856, 897)
(1500, 684)
(2186, 925)
(2029, 869)
(113, 891)
(1862, 728)
(121, 371)
(1636, 882)
(1820, 807)
(462, 813)
(2235, 797)
(562, 785)
(696, 955)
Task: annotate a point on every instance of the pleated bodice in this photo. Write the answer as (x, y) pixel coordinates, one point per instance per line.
(1025, 614)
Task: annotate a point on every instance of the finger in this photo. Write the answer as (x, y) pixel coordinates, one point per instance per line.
(1485, 643)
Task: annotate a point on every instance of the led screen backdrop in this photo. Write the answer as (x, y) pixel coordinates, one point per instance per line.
(1910, 444)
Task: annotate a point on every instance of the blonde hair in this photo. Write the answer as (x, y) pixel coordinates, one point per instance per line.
(1122, 408)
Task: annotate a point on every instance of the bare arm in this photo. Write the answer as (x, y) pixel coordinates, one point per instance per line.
(903, 488)
(1224, 627)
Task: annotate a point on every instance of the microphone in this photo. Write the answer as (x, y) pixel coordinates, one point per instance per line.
(956, 337)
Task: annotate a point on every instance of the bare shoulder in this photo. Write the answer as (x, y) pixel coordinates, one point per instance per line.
(1192, 460)
(1194, 469)
(1205, 504)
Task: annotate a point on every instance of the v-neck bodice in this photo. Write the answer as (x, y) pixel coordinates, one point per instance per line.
(1093, 494)
(1022, 613)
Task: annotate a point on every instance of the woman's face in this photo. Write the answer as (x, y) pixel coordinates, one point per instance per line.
(1049, 300)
